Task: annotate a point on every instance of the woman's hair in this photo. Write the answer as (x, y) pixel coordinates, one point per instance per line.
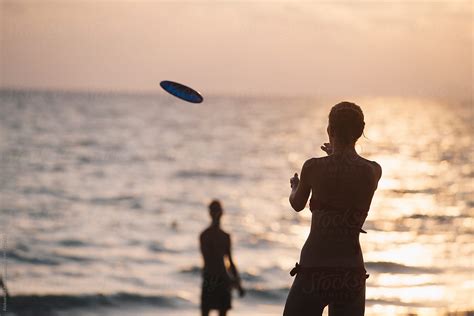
(215, 208)
(346, 122)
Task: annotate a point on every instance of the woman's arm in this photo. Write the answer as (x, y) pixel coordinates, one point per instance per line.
(300, 188)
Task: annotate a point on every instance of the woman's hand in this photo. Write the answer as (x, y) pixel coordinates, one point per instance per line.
(327, 147)
(294, 181)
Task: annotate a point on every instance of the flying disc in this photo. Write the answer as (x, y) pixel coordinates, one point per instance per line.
(181, 91)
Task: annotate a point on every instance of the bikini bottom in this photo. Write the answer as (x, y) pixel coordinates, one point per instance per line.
(314, 288)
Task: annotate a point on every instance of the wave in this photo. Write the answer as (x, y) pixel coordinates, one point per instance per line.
(415, 191)
(134, 202)
(22, 257)
(52, 259)
(277, 294)
(244, 275)
(22, 305)
(48, 304)
(193, 270)
(60, 194)
(72, 243)
(181, 201)
(437, 218)
(256, 241)
(86, 142)
(397, 268)
(250, 277)
(207, 174)
(431, 223)
(158, 247)
(395, 302)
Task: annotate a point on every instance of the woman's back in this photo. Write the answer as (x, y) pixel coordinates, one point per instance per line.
(342, 181)
(342, 187)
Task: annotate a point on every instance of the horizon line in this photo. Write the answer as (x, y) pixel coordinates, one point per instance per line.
(252, 95)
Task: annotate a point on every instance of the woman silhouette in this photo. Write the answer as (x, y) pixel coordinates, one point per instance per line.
(331, 270)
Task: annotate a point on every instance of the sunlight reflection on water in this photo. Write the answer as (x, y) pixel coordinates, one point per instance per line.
(120, 189)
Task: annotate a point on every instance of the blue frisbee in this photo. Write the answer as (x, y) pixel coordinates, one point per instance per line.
(181, 91)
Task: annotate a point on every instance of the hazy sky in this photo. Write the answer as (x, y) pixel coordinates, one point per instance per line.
(271, 47)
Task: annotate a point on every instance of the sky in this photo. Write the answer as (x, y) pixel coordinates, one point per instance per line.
(310, 48)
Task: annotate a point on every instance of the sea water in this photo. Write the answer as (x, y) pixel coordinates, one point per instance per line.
(103, 197)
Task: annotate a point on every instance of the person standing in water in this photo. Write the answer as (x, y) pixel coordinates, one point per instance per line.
(331, 271)
(218, 277)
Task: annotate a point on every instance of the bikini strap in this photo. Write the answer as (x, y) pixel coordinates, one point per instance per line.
(297, 268)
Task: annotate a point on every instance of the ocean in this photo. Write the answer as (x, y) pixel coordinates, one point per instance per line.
(103, 197)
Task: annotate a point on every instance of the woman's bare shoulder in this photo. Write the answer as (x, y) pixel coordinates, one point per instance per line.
(317, 160)
(313, 162)
(374, 165)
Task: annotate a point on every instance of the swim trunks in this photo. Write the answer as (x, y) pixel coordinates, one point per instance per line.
(216, 292)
